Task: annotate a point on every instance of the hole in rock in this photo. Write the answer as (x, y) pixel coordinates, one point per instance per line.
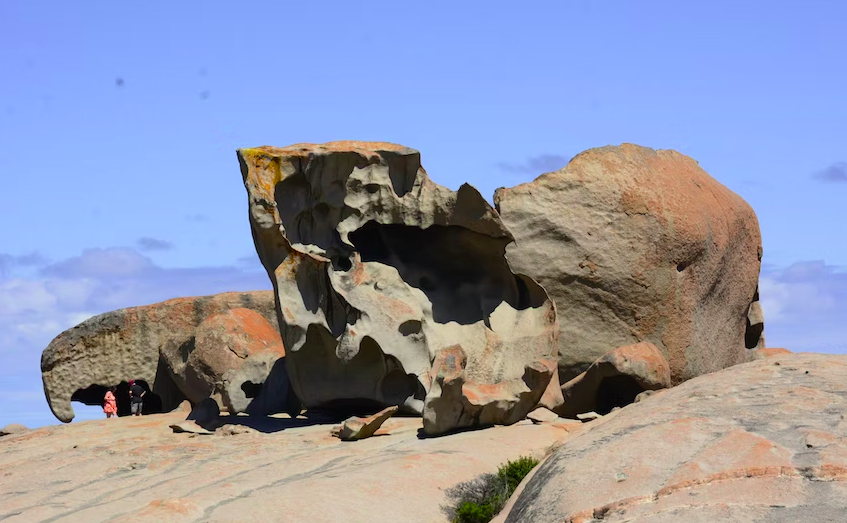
(682, 266)
(616, 391)
(752, 334)
(94, 395)
(250, 389)
(407, 328)
(463, 273)
(341, 264)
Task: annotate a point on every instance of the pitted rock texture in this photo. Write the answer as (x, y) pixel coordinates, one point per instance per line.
(763, 441)
(233, 356)
(377, 269)
(112, 348)
(615, 380)
(638, 245)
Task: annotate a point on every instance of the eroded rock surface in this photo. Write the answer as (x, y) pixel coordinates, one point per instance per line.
(615, 380)
(639, 245)
(155, 345)
(764, 441)
(356, 428)
(378, 269)
(233, 357)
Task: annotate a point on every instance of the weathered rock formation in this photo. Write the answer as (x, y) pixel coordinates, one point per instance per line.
(157, 345)
(754, 337)
(638, 245)
(232, 358)
(13, 428)
(378, 270)
(355, 428)
(763, 441)
(615, 380)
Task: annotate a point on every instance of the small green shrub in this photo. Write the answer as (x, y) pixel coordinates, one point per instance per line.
(482, 498)
(469, 512)
(513, 472)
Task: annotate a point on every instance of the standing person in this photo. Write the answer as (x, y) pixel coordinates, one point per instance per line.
(136, 393)
(110, 404)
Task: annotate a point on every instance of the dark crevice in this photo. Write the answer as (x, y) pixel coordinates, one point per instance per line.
(407, 328)
(616, 391)
(402, 170)
(463, 273)
(752, 334)
(250, 389)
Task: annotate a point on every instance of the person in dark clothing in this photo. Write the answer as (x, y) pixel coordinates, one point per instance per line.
(136, 393)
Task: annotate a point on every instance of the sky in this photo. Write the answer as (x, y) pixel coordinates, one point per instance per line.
(119, 123)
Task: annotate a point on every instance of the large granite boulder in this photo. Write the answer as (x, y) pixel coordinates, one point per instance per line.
(378, 269)
(639, 245)
(152, 344)
(233, 356)
(764, 441)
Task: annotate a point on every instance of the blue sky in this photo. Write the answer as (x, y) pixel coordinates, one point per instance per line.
(119, 121)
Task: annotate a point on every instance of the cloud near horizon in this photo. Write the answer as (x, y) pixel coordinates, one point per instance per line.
(804, 307)
(803, 304)
(37, 306)
(835, 173)
(536, 164)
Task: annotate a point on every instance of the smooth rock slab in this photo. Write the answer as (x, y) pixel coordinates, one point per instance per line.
(762, 441)
(137, 469)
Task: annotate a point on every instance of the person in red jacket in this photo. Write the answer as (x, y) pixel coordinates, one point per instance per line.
(110, 404)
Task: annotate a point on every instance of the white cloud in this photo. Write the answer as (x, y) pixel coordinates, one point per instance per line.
(804, 307)
(19, 295)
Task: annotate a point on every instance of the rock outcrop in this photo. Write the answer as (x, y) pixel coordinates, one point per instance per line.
(754, 336)
(233, 358)
(615, 380)
(764, 441)
(769, 352)
(356, 428)
(136, 469)
(378, 270)
(639, 245)
(13, 428)
(156, 345)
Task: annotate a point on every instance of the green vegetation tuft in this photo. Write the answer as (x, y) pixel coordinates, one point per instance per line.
(482, 498)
